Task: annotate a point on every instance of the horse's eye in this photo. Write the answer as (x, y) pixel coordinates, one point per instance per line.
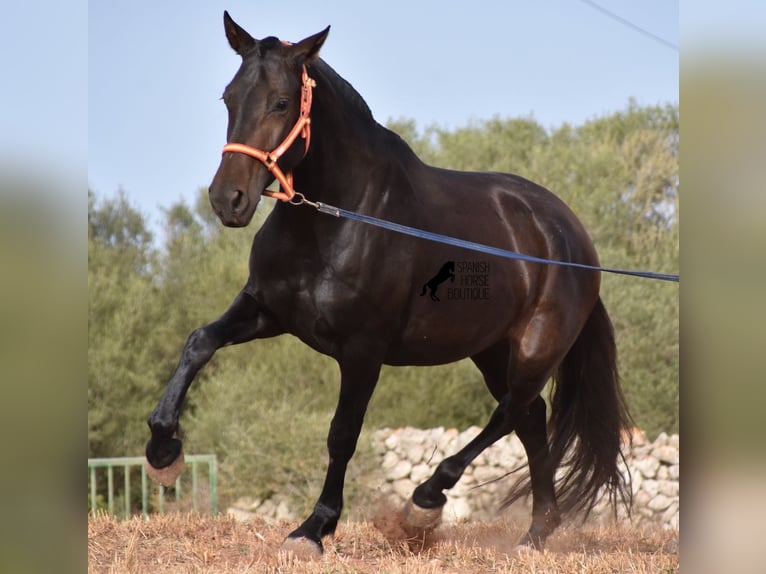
(281, 105)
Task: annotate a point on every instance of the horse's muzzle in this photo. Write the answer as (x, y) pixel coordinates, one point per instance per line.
(233, 207)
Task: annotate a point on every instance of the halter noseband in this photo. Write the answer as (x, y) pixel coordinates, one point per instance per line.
(302, 127)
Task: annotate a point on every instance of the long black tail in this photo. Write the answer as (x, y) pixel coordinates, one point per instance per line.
(588, 419)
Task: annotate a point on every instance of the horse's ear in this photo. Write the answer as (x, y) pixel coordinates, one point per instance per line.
(308, 48)
(239, 40)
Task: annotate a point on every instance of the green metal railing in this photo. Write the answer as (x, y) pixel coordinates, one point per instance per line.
(126, 463)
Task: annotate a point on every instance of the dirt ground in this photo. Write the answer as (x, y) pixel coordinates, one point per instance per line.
(193, 543)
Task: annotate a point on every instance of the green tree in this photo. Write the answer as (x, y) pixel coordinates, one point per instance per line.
(122, 315)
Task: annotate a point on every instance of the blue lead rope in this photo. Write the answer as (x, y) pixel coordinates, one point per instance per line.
(338, 212)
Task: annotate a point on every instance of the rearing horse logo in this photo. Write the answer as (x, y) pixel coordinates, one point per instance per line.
(447, 271)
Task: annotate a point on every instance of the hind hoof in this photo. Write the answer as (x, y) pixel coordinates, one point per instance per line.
(302, 548)
(166, 476)
(522, 552)
(419, 518)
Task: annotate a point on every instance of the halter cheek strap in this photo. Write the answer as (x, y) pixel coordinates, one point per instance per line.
(301, 128)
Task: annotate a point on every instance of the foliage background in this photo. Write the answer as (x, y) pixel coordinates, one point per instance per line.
(619, 173)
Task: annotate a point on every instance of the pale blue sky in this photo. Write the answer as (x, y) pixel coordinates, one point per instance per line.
(157, 70)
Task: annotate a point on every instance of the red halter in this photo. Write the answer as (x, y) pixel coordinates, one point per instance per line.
(302, 127)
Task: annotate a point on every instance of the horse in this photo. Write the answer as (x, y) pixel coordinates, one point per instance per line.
(447, 271)
(319, 278)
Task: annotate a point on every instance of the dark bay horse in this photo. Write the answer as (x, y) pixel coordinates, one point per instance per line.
(352, 291)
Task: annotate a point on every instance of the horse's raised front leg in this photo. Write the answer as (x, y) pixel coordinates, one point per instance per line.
(242, 322)
(359, 374)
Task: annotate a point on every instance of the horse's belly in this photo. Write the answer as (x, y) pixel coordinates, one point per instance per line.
(459, 325)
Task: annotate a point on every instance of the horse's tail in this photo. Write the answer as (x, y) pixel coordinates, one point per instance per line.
(589, 417)
(425, 287)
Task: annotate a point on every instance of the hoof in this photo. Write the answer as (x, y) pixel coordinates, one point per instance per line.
(524, 550)
(302, 548)
(166, 476)
(421, 519)
(530, 544)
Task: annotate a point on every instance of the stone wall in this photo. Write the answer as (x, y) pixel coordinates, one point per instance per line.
(409, 456)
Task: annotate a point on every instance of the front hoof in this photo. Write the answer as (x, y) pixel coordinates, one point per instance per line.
(166, 476)
(421, 519)
(163, 451)
(302, 548)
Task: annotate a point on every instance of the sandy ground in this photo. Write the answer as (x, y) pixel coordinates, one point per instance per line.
(194, 543)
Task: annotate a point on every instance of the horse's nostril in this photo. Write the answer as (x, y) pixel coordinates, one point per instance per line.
(236, 200)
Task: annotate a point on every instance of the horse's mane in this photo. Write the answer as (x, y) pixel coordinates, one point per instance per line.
(343, 88)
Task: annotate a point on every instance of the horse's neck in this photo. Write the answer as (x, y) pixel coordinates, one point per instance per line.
(352, 153)
(345, 150)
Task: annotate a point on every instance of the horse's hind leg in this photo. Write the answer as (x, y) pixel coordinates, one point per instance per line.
(429, 495)
(242, 322)
(522, 409)
(531, 428)
(423, 511)
(532, 431)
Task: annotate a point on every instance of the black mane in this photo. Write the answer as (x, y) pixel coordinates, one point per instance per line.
(343, 87)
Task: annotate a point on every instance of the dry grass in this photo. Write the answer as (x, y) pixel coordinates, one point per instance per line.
(192, 543)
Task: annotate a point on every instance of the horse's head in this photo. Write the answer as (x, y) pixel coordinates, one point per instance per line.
(264, 104)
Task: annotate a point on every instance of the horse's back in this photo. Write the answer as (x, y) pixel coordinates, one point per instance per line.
(512, 209)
